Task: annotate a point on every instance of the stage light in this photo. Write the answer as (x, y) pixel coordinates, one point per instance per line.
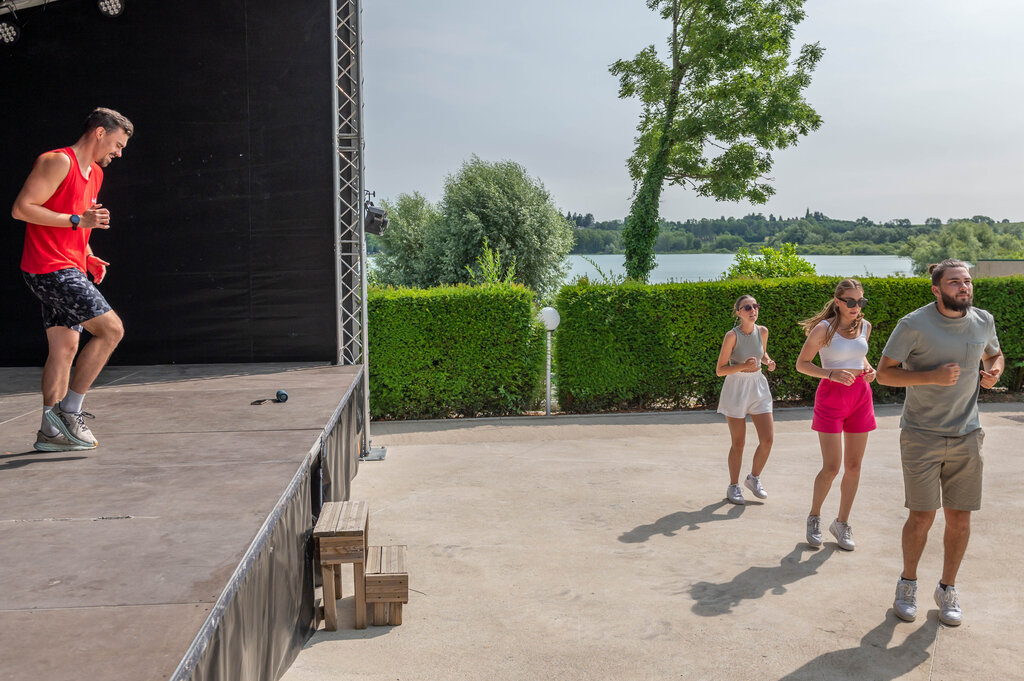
(376, 220)
(111, 8)
(10, 31)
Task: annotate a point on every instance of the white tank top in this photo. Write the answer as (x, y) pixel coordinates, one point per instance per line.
(845, 353)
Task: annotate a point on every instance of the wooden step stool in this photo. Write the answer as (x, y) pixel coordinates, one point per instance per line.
(387, 583)
(340, 536)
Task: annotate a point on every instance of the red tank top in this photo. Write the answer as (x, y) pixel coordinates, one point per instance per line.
(48, 249)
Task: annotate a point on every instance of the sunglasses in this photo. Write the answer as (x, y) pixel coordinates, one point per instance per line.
(748, 307)
(854, 302)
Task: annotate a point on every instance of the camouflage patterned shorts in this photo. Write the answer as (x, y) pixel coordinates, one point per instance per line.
(68, 297)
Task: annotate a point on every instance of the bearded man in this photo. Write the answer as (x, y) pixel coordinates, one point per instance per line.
(943, 354)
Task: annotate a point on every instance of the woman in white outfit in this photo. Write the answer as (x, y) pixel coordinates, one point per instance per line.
(745, 391)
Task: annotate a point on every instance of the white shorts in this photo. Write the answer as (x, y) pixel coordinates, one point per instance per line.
(745, 393)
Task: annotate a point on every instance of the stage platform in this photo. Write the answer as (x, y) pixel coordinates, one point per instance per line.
(179, 548)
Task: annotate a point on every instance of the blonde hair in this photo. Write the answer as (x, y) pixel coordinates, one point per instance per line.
(830, 312)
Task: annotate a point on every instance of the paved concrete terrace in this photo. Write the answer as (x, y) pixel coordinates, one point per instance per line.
(601, 547)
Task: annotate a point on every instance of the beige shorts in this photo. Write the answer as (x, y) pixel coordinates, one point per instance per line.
(941, 471)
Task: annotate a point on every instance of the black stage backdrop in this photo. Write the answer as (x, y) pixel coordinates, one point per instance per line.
(221, 238)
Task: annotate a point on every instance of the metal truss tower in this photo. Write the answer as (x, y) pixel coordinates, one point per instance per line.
(350, 246)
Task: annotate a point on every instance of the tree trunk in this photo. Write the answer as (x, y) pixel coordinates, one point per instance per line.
(640, 235)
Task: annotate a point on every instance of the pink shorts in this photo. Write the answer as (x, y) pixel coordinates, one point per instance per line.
(843, 408)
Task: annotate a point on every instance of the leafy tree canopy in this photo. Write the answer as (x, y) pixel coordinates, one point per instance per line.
(401, 262)
(714, 109)
(492, 209)
(968, 240)
(783, 262)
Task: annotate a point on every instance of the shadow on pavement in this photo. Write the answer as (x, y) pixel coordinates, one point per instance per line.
(718, 599)
(36, 458)
(873, 659)
(672, 523)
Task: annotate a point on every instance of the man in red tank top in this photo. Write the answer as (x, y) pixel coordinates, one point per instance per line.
(59, 204)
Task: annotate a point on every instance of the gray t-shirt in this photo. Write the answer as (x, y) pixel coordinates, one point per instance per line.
(926, 339)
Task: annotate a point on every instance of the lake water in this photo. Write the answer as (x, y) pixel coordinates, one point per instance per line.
(710, 266)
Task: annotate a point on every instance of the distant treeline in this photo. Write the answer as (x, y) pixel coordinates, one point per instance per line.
(814, 233)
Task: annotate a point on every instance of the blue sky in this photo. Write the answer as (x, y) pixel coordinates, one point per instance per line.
(921, 103)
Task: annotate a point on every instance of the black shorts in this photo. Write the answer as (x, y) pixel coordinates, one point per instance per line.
(68, 297)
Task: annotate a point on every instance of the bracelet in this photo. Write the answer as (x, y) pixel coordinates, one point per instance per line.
(830, 375)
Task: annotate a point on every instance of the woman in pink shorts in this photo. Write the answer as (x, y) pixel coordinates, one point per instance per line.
(844, 412)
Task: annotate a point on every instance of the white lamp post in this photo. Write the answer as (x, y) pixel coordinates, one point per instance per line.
(549, 317)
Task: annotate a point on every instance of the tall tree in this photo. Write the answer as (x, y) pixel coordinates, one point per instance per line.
(502, 203)
(725, 97)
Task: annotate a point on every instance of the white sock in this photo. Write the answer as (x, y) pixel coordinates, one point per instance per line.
(72, 402)
(47, 427)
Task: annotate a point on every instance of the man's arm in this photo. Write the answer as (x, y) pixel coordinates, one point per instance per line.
(890, 373)
(993, 368)
(44, 180)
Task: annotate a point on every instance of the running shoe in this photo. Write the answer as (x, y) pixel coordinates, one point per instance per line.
(753, 483)
(72, 425)
(843, 534)
(56, 443)
(814, 530)
(905, 604)
(949, 605)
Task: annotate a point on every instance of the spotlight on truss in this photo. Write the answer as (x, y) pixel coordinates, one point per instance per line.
(111, 8)
(10, 30)
(376, 220)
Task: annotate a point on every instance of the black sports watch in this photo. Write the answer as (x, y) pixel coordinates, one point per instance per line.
(75, 219)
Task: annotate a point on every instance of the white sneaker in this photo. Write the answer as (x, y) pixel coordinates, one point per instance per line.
(753, 483)
(814, 530)
(735, 495)
(905, 604)
(949, 605)
(843, 534)
(72, 425)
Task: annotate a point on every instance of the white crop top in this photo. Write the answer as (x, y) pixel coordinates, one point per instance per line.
(845, 353)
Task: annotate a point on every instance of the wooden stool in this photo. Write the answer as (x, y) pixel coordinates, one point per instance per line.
(340, 535)
(387, 583)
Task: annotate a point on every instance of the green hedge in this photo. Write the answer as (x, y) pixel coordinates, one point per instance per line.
(639, 346)
(454, 351)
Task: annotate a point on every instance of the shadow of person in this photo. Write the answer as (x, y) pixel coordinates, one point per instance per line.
(35, 458)
(672, 523)
(718, 599)
(873, 658)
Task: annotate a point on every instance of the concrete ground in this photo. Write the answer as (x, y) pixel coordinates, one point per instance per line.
(601, 547)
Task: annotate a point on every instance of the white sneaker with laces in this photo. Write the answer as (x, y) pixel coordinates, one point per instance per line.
(735, 495)
(949, 605)
(814, 530)
(843, 534)
(905, 604)
(72, 425)
(753, 483)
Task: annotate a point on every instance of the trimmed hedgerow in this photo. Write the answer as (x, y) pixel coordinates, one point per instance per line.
(454, 351)
(639, 346)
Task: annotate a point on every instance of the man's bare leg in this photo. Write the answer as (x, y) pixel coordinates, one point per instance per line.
(107, 331)
(915, 536)
(63, 345)
(957, 534)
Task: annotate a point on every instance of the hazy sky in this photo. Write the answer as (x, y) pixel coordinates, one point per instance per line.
(921, 101)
